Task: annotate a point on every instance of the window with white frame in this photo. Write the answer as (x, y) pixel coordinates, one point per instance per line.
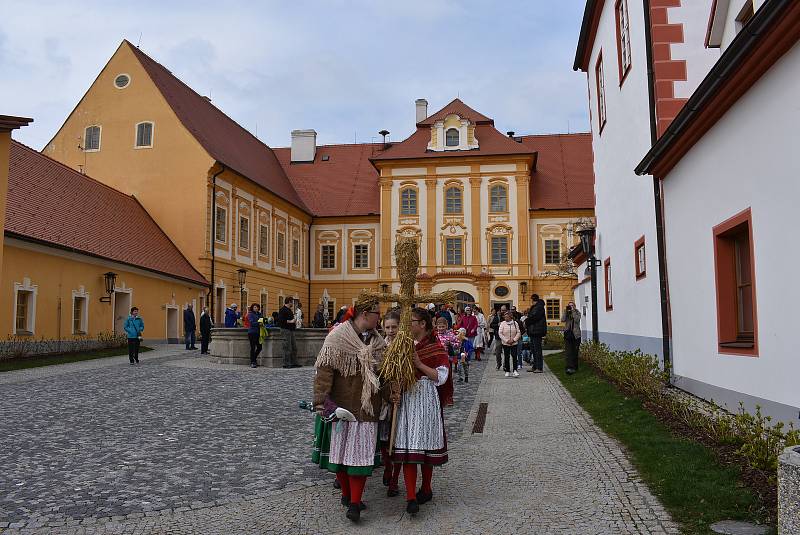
(91, 138)
(220, 225)
(408, 201)
(331, 309)
(361, 256)
(454, 251)
(263, 240)
(552, 251)
(24, 308)
(552, 308)
(600, 84)
(328, 257)
(79, 314)
(500, 250)
(144, 134)
(623, 38)
(244, 232)
(609, 288)
(453, 200)
(264, 302)
(451, 137)
(498, 198)
(295, 252)
(281, 246)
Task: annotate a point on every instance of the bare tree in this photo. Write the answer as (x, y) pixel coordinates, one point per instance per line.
(566, 268)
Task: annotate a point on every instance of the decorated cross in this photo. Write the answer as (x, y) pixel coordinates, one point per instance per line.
(398, 359)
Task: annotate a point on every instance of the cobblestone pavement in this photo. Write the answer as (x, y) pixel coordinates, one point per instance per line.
(105, 439)
(540, 466)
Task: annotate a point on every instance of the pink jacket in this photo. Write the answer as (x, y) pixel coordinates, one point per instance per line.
(509, 332)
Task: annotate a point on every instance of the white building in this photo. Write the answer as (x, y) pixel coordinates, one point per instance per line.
(731, 180)
(618, 42)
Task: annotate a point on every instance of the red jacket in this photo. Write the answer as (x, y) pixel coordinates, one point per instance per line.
(470, 323)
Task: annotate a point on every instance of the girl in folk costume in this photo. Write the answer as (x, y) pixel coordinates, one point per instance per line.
(391, 472)
(348, 398)
(449, 341)
(420, 434)
(462, 364)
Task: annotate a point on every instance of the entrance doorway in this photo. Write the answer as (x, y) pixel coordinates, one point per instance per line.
(219, 307)
(497, 304)
(463, 299)
(122, 308)
(172, 326)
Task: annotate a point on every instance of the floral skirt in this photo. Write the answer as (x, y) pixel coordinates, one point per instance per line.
(346, 446)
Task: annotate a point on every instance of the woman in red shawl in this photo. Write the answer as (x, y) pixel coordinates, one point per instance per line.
(420, 438)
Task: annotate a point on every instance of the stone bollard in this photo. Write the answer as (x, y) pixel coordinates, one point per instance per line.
(231, 346)
(789, 491)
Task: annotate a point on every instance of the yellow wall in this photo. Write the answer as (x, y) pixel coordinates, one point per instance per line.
(57, 274)
(5, 147)
(168, 179)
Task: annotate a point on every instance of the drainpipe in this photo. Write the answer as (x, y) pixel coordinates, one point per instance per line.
(211, 292)
(658, 196)
(308, 265)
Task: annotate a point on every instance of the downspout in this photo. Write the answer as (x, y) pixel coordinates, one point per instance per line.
(211, 292)
(308, 265)
(658, 197)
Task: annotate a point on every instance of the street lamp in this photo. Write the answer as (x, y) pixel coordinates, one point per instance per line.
(384, 288)
(242, 273)
(523, 288)
(110, 280)
(587, 244)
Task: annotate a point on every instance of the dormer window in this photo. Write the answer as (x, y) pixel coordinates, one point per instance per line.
(451, 138)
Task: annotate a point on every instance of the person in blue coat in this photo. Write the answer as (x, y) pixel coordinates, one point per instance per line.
(189, 327)
(232, 316)
(254, 333)
(134, 326)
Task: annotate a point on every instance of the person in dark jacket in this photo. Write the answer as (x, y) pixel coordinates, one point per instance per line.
(253, 333)
(319, 317)
(287, 323)
(232, 316)
(189, 327)
(205, 330)
(536, 326)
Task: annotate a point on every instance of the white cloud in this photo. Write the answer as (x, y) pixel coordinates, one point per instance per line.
(336, 66)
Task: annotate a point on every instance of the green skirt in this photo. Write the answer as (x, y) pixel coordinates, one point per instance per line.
(322, 445)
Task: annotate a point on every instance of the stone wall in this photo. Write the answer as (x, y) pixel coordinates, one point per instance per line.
(231, 346)
(789, 491)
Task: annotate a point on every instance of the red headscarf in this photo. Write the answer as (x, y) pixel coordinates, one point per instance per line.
(432, 354)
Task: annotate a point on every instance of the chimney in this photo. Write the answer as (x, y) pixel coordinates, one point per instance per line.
(304, 145)
(422, 109)
(510, 134)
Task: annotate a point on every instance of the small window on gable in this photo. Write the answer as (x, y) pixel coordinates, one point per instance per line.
(122, 81)
(144, 135)
(640, 258)
(498, 198)
(736, 294)
(451, 137)
(453, 201)
(408, 201)
(91, 138)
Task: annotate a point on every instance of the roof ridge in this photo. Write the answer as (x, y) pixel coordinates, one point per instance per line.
(335, 145)
(556, 134)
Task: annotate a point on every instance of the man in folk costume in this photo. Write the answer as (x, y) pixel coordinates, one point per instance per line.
(348, 399)
(421, 438)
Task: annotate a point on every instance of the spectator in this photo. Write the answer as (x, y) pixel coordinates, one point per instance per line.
(498, 345)
(254, 333)
(340, 314)
(536, 326)
(480, 339)
(509, 336)
(470, 325)
(205, 330)
(189, 327)
(444, 313)
(134, 326)
(232, 316)
(319, 317)
(286, 322)
(298, 316)
(572, 336)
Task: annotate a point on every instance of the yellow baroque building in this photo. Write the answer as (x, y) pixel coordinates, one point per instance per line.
(492, 212)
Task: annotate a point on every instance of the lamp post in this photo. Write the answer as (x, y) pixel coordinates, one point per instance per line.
(587, 243)
(523, 289)
(242, 273)
(110, 280)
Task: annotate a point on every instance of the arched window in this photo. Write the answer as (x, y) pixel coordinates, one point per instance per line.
(91, 138)
(498, 197)
(144, 134)
(453, 201)
(451, 137)
(408, 202)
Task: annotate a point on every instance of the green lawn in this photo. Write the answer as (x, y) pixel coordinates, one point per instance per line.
(683, 474)
(36, 362)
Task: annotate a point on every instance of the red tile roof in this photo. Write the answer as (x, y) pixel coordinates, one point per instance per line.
(220, 136)
(49, 202)
(564, 177)
(490, 141)
(346, 184)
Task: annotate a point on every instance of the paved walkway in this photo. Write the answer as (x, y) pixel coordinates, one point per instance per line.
(178, 445)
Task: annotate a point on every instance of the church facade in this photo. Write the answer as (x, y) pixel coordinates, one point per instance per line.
(493, 212)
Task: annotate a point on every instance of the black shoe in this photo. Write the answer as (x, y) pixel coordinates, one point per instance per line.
(253, 365)
(132, 363)
(297, 366)
(498, 368)
(194, 348)
(345, 500)
(137, 361)
(353, 512)
(466, 379)
(392, 492)
(338, 485)
(386, 480)
(423, 498)
(289, 366)
(412, 507)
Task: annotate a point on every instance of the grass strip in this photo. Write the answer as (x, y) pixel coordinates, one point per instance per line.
(50, 360)
(685, 475)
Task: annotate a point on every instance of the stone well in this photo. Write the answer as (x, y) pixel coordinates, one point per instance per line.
(231, 346)
(789, 491)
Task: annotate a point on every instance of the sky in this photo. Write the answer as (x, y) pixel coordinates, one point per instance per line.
(347, 69)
